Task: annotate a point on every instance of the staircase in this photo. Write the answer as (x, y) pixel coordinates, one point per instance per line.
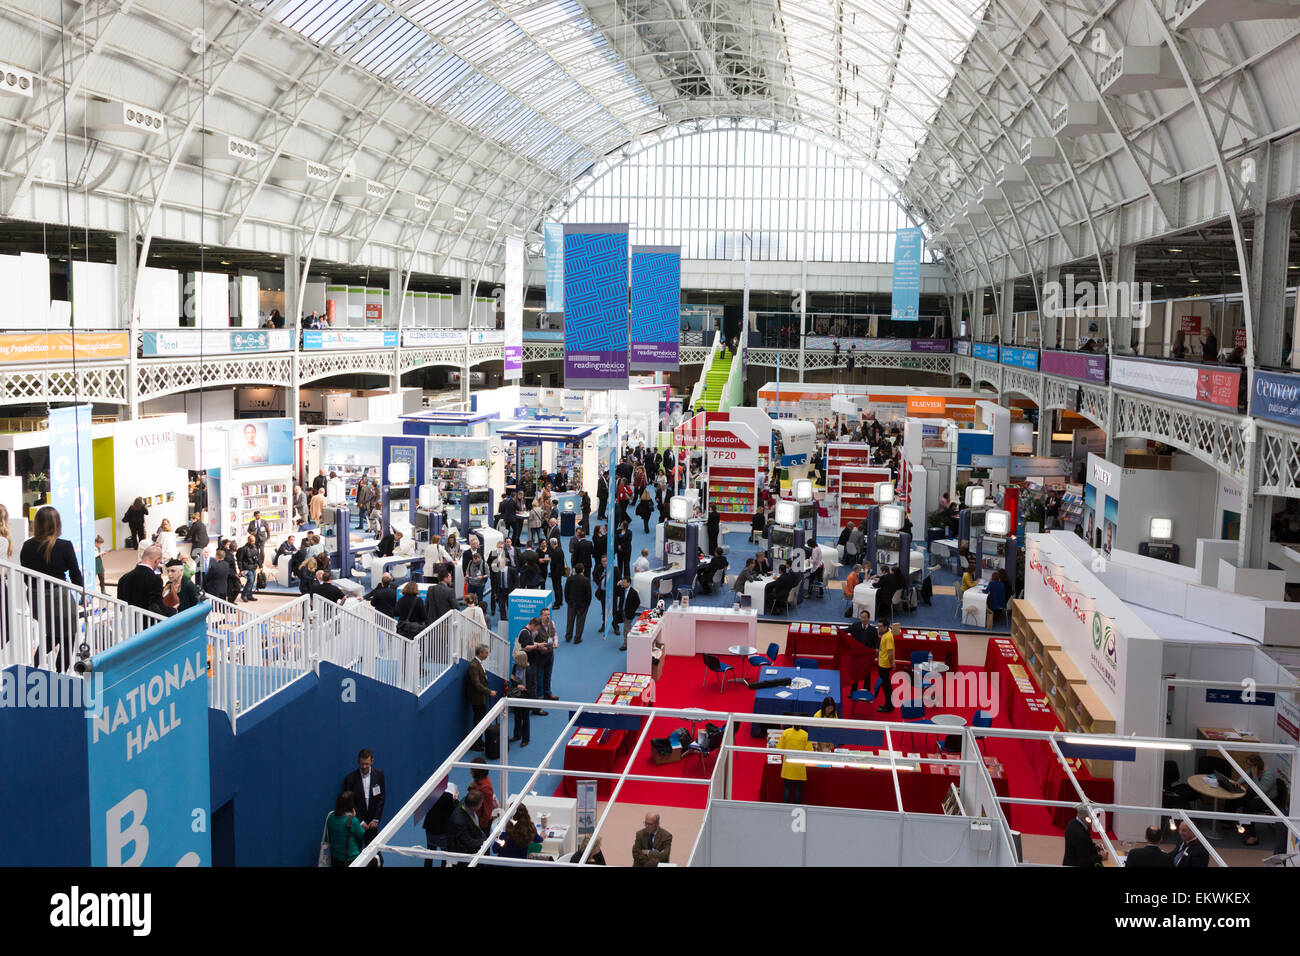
(715, 379)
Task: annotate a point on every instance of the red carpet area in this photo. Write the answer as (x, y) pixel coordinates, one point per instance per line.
(686, 683)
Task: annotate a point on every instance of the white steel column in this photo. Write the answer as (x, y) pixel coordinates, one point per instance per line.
(293, 322)
(126, 266)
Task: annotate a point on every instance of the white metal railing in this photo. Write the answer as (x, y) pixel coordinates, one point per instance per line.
(697, 393)
(471, 635)
(350, 637)
(251, 658)
(45, 622)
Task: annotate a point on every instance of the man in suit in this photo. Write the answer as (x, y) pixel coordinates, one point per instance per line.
(327, 589)
(368, 792)
(318, 483)
(198, 536)
(504, 580)
(886, 587)
(785, 582)
(602, 494)
(652, 844)
(704, 576)
(581, 549)
(1149, 854)
(626, 603)
(384, 597)
(865, 634)
(441, 598)
(249, 559)
(387, 544)
(506, 515)
(216, 576)
(364, 497)
(478, 690)
(1189, 851)
(1080, 850)
(300, 504)
(577, 591)
(259, 529)
(142, 587)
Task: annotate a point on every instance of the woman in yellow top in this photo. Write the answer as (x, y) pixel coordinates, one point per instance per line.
(969, 579)
(885, 664)
(793, 773)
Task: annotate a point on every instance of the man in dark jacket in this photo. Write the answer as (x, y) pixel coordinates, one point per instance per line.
(326, 588)
(626, 604)
(384, 597)
(216, 577)
(318, 483)
(557, 573)
(602, 495)
(198, 536)
(865, 634)
(1189, 851)
(142, 587)
(581, 549)
(1149, 854)
(441, 598)
(369, 791)
(1079, 848)
(506, 516)
(577, 591)
(464, 835)
(704, 576)
(250, 562)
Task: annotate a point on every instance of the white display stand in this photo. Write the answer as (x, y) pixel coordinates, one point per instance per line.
(688, 631)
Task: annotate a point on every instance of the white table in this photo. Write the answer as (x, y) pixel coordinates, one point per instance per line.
(931, 667)
(756, 590)
(563, 813)
(830, 561)
(349, 587)
(974, 606)
(864, 599)
(743, 652)
(646, 584)
(948, 720)
(379, 565)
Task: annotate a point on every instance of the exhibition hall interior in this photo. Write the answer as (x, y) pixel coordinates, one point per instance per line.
(533, 435)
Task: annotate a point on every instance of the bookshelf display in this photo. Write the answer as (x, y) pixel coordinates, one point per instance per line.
(857, 491)
(733, 491)
(1075, 704)
(266, 489)
(841, 455)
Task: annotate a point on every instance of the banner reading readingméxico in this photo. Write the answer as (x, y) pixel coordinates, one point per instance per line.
(906, 297)
(72, 484)
(656, 307)
(553, 238)
(514, 308)
(147, 748)
(595, 305)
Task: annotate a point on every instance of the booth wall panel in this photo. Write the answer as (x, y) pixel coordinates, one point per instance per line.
(94, 295)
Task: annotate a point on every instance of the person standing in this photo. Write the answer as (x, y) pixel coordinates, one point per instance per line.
(557, 572)
(1189, 851)
(866, 635)
(652, 844)
(179, 593)
(318, 483)
(316, 507)
(260, 531)
(623, 550)
(134, 520)
(344, 831)
(531, 643)
(1080, 850)
(885, 665)
(602, 493)
(478, 691)
(552, 640)
(366, 784)
(198, 535)
(626, 607)
(713, 526)
(300, 504)
(577, 590)
(142, 587)
(1149, 854)
(249, 559)
(47, 552)
(793, 773)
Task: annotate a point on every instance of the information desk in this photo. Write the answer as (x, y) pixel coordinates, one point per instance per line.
(923, 789)
(598, 749)
(1026, 708)
(687, 631)
(791, 699)
(646, 584)
(561, 834)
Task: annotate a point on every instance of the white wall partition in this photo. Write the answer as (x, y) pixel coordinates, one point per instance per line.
(767, 835)
(94, 295)
(160, 298)
(208, 294)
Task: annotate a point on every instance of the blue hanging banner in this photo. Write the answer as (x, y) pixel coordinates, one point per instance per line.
(595, 302)
(553, 238)
(656, 307)
(147, 748)
(72, 484)
(906, 298)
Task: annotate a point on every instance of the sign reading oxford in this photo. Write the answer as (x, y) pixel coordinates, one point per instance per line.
(148, 748)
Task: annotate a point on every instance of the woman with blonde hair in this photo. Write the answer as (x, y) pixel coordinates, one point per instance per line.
(165, 538)
(6, 539)
(47, 553)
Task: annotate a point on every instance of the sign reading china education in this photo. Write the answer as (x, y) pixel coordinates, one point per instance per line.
(1276, 397)
(595, 300)
(731, 445)
(1214, 385)
(62, 346)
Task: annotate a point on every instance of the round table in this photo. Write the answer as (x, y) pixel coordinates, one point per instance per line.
(952, 741)
(743, 652)
(1200, 782)
(931, 667)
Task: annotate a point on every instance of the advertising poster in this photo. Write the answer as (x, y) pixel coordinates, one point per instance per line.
(553, 236)
(905, 303)
(514, 308)
(595, 300)
(656, 307)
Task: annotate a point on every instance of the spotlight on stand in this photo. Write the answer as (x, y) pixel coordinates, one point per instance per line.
(83, 664)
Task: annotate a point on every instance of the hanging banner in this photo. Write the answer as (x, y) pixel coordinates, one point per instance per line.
(553, 236)
(595, 299)
(1276, 397)
(62, 346)
(656, 307)
(147, 748)
(514, 308)
(906, 298)
(72, 482)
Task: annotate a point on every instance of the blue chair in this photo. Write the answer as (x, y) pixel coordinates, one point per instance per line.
(808, 663)
(982, 718)
(922, 657)
(711, 663)
(911, 713)
(861, 697)
(764, 660)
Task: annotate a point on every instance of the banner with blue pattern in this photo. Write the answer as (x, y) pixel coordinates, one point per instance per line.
(595, 305)
(656, 307)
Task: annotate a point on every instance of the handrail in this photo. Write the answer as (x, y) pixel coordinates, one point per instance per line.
(257, 656)
(45, 621)
(698, 392)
